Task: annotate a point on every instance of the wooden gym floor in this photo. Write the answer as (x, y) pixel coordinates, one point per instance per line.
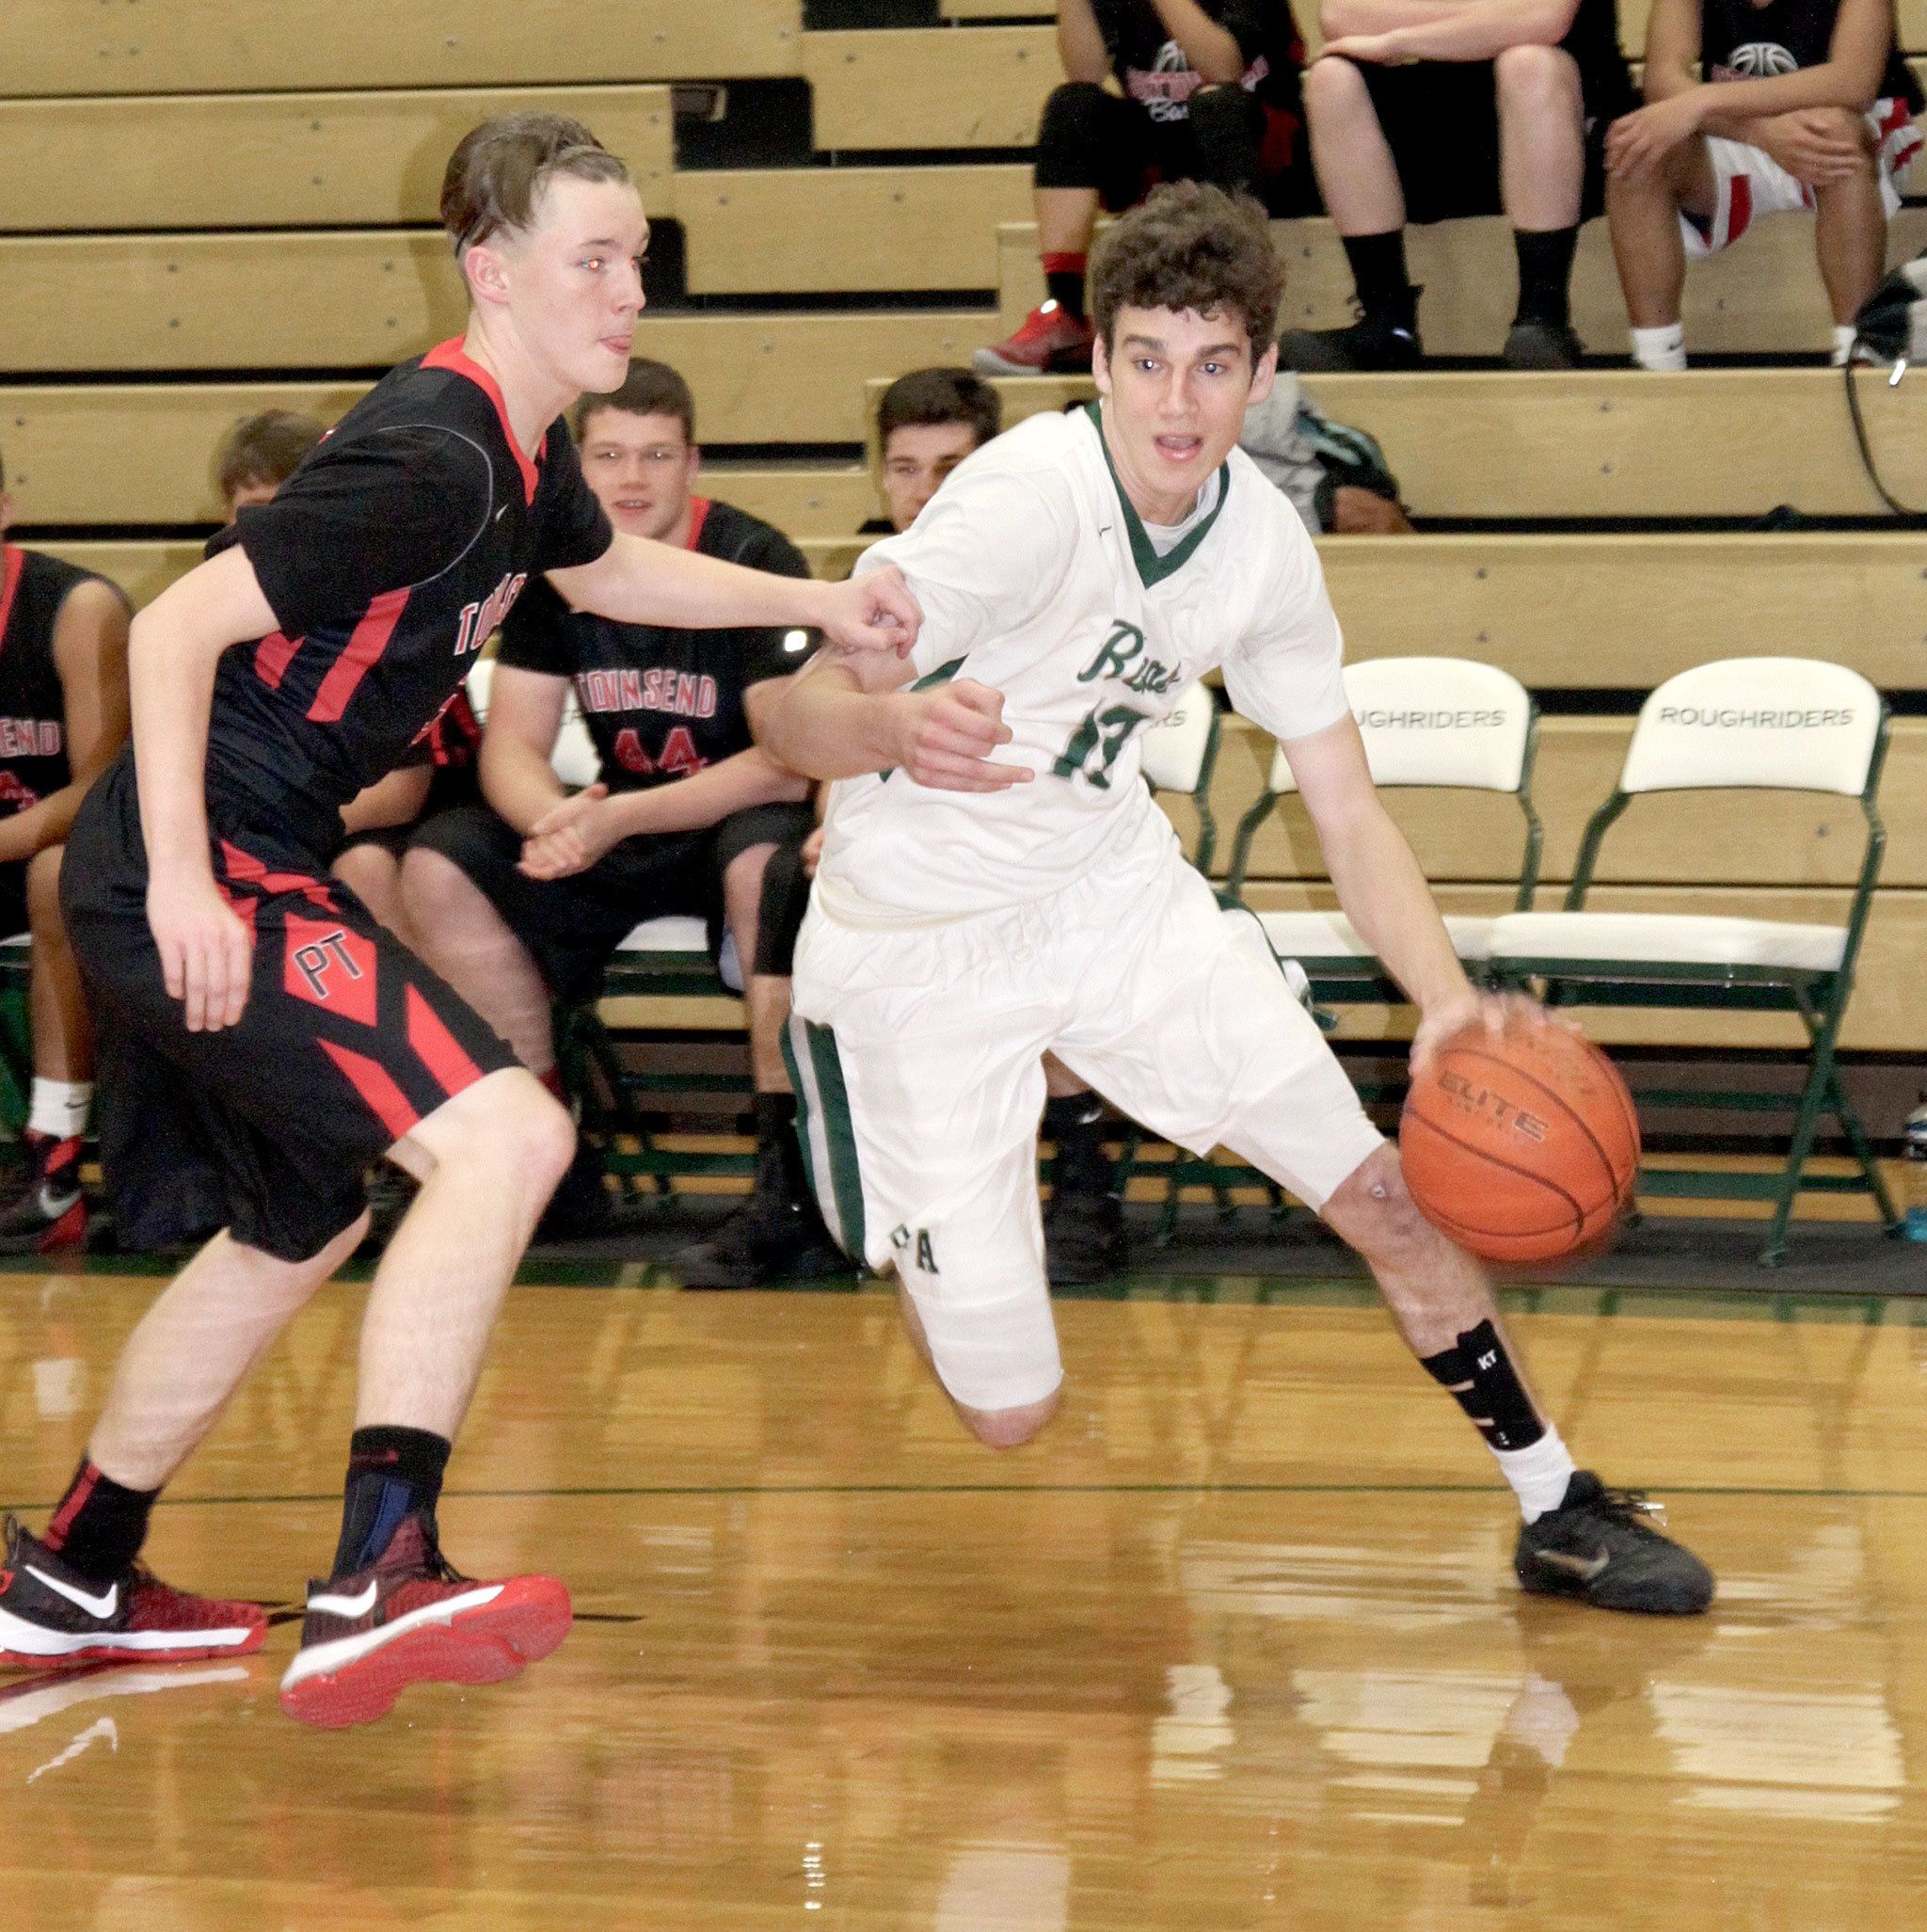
(1235, 1645)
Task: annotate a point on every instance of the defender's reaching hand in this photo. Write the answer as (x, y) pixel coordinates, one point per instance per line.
(874, 611)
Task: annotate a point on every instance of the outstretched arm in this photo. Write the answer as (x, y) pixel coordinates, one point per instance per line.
(637, 582)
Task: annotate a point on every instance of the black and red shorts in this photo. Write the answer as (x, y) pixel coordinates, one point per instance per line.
(266, 1128)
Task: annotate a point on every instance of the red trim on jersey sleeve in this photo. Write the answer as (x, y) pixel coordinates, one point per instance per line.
(376, 1084)
(440, 1051)
(451, 354)
(699, 508)
(271, 657)
(359, 655)
(12, 562)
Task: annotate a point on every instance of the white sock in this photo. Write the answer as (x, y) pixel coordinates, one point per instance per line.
(59, 1108)
(1660, 348)
(1538, 1475)
(1843, 343)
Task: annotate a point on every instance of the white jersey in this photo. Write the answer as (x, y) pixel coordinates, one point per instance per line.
(1038, 578)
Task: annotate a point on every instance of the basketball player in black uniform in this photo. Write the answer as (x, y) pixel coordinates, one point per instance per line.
(63, 715)
(684, 818)
(269, 1037)
(1757, 107)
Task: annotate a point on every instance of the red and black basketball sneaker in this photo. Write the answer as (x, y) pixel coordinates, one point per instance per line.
(1050, 341)
(49, 1211)
(410, 1617)
(51, 1615)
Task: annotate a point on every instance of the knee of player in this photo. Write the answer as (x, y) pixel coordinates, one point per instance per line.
(434, 889)
(1073, 106)
(528, 1128)
(1374, 1211)
(1532, 75)
(1843, 124)
(1333, 83)
(1010, 1429)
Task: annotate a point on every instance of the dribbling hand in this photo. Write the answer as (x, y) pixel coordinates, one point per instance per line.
(948, 733)
(1495, 1012)
(874, 611)
(206, 953)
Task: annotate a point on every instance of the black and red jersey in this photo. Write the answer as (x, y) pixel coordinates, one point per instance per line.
(389, 559)
(1757, 40)
(33, 706)
(661, 703)
(1152, 70)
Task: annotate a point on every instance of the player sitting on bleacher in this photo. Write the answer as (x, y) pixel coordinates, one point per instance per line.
(1804, 104)
(1427, 110)
(525, 898)
(63, 715)
(257, 456)
(1210, 92)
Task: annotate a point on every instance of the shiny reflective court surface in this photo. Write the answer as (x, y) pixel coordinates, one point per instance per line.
(1235, 1645)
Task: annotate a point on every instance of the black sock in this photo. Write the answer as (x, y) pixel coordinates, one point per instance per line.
(1485, 1384)
(1545, 274)
(1075, 1123)
(392, 1472)
(1378, 268)
(1064, 278)
(99, 1525)
(779, 1158)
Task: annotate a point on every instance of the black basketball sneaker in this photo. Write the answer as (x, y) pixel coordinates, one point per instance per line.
(411, 1617)
(49, 1211)
(51, 1616)
(1600, 1545)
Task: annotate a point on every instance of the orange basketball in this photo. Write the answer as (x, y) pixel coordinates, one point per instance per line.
(1521, 1146)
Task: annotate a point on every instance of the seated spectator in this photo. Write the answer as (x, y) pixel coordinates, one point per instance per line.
(1427, 110)
(927, 422)
(1336, 477)
(257, 456)
(1210, 93)
(1806, 104)
(523, 899)
(63, 716)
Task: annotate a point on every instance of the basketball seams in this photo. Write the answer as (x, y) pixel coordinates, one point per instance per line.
(1578, 1213)
(1565, 1106)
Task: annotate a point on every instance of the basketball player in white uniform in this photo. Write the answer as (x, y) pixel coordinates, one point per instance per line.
(996, 881)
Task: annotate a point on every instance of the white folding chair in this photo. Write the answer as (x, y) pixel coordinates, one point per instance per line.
(1749, 724)
(1436, 723)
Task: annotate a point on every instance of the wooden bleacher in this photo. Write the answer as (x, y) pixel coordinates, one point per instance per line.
(179, 295)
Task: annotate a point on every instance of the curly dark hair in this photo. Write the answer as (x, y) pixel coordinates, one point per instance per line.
(1190, 245)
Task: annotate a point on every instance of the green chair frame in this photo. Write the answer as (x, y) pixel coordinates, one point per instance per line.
(1819, 998)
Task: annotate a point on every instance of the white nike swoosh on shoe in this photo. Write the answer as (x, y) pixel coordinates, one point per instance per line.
(1584, 1568)
(324, 1660)
(345, 1607)
(101, 1606)
(53, 1206)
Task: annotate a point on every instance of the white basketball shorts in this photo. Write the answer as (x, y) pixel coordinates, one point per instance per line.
(917, 1056)
(1751, 183)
